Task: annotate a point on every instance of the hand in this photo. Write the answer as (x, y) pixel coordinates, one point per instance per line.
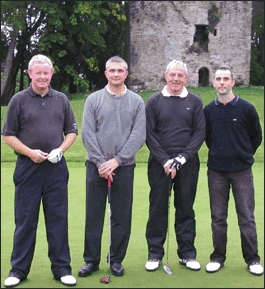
(55, 155)
(38, 156)
(169, 165)
(106, 170)
(169, 168)
(178, 162)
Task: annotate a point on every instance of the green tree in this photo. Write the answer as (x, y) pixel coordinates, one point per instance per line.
(257, 45)
(19, 22)
(77, 35)
(78, 39)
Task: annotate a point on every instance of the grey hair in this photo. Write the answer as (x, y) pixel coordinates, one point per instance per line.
(176, 63)
(40, 58)
(117, 59)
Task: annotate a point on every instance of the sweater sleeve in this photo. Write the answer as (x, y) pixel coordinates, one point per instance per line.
(255, 130)
(89, 136)
(152, 138)
(199, 131)
(208, 126)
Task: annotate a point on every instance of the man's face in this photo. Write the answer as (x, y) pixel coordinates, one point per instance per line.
(40, 75)
(176, 79)
(223, 82)
(116, 74)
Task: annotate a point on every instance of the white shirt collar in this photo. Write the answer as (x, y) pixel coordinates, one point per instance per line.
(183, 94)
(112, 93)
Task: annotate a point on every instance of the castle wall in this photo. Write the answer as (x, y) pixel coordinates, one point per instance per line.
(161, 31)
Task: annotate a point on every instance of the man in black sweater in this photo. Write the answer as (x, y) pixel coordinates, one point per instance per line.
(175, 133)
(233, 134)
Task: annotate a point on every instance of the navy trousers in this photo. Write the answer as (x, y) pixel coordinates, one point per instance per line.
(121, 212)
(46, 182)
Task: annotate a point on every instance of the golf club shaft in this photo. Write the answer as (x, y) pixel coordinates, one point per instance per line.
(168, 220)
(109, 219)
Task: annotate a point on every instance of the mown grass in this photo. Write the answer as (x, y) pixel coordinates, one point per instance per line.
(234, 275)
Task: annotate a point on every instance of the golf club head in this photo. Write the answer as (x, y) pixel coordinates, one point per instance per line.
(105, 280)
(167, 270)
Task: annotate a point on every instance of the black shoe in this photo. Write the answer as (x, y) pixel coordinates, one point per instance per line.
(87, 269)
(117, 269)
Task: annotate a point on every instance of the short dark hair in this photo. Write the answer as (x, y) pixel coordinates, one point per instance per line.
(225, 67)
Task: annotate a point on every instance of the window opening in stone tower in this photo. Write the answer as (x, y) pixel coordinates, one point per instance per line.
(201, 38)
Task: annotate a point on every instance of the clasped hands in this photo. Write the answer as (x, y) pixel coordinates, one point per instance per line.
(172, 165)
(54, 156)
(106, 170)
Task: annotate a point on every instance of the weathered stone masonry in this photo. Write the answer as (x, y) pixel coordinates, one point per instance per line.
(203, 34)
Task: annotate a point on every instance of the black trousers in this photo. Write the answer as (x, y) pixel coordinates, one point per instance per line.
(184, 191)
(121, 212)
(46, 182)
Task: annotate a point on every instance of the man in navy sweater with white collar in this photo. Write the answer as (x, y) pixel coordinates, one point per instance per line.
(175, 131)
(233, 134)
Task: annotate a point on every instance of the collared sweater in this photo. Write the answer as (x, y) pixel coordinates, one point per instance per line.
(113, 126)
(174, 125)
(233, 134)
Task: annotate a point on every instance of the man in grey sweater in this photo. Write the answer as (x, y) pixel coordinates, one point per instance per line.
(113, 131)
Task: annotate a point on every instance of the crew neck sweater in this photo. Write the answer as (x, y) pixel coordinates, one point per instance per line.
(233, 134)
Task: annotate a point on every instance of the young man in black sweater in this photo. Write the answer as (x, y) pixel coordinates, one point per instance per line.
(233, 134)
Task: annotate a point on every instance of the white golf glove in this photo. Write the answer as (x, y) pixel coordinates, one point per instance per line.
(169, 162)
(179, 161)
(176, 162)
(55, 155)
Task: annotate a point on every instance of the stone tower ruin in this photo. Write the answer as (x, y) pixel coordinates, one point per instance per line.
(203, 34)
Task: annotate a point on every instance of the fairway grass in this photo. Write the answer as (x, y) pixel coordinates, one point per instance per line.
(234, 274)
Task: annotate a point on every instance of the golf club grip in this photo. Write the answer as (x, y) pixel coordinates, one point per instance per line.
(170, 184)
(109, 182)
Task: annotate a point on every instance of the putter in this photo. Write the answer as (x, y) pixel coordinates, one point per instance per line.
(166, 267)
(106, 280)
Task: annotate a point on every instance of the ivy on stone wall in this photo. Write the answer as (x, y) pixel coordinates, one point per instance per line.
(213, 17)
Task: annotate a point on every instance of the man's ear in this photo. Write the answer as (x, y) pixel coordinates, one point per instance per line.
(29, 72)
(213, 84)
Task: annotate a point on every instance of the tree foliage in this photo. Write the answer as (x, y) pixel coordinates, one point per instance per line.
(18, 27)
(257, 45)
(78, 36)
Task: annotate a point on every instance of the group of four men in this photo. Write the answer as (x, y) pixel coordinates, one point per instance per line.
(40, 126)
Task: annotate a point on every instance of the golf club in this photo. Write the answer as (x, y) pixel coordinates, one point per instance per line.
(166, 267)
(106, 280)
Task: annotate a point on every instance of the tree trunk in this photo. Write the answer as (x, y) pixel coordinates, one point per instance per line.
(72, 87)
(8, 81)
